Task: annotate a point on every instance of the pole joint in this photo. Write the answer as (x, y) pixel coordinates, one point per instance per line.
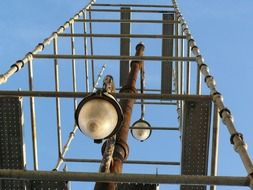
(108, 84)
(121, 151)
(128, 89)
(237, 140)
(240, 135)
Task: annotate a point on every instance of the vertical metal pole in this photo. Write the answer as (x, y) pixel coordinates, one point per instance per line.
(125, 47)
(127, 106)
(73, 132)
(91, 50)
(188, 71)
(86, 53)
(177, 63)
(215, 143)
(72, 30)
(167, 50)
(182, 65)
(68, 183)
(58, 109)
(121, 147)
(199, 76)
(33, 118)
(181, 78)
(177, 74)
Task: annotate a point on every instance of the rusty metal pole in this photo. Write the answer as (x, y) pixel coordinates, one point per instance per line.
(121, 149)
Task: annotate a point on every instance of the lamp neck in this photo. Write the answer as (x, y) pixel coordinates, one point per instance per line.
(108, 84)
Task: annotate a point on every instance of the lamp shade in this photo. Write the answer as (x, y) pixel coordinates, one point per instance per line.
(99, 116)
(141, 130)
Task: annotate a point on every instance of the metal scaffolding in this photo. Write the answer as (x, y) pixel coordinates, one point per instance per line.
(99, 39)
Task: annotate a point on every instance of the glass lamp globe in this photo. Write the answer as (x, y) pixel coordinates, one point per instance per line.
(99, 116)
(141, 130)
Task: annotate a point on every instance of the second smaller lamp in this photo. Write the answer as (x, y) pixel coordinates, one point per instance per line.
(141, 130)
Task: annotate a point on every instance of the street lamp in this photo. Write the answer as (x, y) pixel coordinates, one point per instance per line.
(141, 130)
(99, 116)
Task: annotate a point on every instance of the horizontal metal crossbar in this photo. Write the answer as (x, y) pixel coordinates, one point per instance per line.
(156, 103)
(125, 162)
(131, 10)
(160, 128)
(145, 90)
(123, 178)
(136, 11)
(127, 21)
(124, 36)
(113, 57)
(117, 95)
(132, 5)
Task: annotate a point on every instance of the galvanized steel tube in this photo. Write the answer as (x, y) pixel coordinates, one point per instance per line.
(124, 178)
(153, 36)
(215, 144)
(99, 77)
(33, 118)
(117, 95)
(73, 51)
(114, 57)
(86, 53)
(198, 83)
(91, 51)
(188, 71)
(57, 99)
(133, 5)
(133, 10)
(143, 162)
(66, 148)
(126, 21)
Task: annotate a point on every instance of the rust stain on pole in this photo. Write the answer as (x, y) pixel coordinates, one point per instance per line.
(121, 147)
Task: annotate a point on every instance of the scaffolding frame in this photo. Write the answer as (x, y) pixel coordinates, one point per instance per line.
(186, 53)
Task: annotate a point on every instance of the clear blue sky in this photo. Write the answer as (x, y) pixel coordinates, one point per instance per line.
(222, 30)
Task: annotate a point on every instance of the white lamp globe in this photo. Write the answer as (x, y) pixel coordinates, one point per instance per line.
(141, 130)
(99, 116)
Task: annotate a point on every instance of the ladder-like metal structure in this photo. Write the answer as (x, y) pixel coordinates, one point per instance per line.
(181, 101)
